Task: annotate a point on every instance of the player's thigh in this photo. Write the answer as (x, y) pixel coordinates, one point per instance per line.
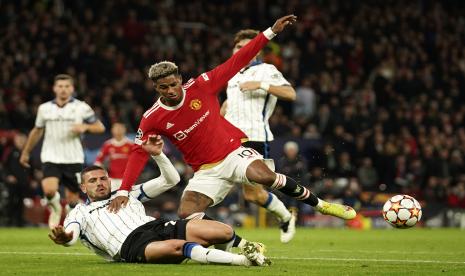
(51, 180)
(258, 172)
(165, 252)
(208, 232)
(193, 202)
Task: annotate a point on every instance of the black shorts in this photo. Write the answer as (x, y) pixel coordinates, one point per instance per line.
(262, 147)
(68, 174)
(133, 248)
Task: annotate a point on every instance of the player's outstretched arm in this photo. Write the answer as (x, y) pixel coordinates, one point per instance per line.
(218, 77)
(168, 178)
(63, 236)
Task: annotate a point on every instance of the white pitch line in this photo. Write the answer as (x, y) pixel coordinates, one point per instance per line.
(278, 258)
(367, 260)
(46, 253)
(383, 251)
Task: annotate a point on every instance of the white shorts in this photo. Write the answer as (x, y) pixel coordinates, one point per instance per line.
(216, 182)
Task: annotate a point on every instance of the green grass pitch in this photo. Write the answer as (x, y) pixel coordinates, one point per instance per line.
(312, 252)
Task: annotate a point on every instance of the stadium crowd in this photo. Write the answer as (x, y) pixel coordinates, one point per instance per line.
(380, 84)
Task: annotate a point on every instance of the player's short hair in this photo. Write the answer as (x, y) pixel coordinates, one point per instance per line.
(89, 169)
(162, 69)
(245, 34)
(63, 77)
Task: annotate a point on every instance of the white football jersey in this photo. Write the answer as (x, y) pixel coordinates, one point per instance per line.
(250, 110)
(104, 232)
(60, 145)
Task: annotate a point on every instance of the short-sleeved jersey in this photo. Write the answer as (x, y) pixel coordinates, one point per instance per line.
(61, 145)
(195, 125)
(250, 110)
(117, 153)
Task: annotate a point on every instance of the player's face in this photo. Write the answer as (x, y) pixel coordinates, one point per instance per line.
(96, 184)
(170, 89)
(118, 131)
(63, 89)
(241, 44)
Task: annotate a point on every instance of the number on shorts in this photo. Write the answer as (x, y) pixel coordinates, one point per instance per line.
(172, 222)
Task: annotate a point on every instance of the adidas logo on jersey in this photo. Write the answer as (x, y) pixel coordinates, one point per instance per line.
(169, 125)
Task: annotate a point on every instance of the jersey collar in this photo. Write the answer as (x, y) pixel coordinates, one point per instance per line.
(253, 63)
(176, 106)
(54, 101)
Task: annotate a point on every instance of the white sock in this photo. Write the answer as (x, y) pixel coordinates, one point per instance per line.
(277, 208)
(54, 202)
(320, 203)
(241, 244)
(204, 255)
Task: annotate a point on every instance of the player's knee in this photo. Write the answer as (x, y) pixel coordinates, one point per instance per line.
(228, 233)
(268, 178)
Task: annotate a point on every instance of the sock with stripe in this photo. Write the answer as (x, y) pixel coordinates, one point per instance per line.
(277, 208)
(204, 255)
(290, 187)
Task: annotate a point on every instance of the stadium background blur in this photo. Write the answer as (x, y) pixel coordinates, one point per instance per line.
(380, 92)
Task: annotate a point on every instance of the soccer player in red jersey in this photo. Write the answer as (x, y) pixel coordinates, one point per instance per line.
(189, 115)
(116, 150)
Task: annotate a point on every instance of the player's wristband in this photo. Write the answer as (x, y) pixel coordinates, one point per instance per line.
(269, 34)
(265, 86)
(122, 193)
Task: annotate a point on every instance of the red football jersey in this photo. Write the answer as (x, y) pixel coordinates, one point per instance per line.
(117, 153)
(195, 125)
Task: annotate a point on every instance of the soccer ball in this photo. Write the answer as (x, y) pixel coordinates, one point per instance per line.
(402, 211)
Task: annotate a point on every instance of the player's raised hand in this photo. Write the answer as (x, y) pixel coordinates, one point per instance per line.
(249, 85)
(118, 203)
(153, 145)
(59, 235)
(282, 22)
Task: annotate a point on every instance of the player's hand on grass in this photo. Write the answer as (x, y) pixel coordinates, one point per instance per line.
(282, 22)
(118, 203)
(24, 160)
(60, 236)
(79, 128)
(249, 85)
(153, 145)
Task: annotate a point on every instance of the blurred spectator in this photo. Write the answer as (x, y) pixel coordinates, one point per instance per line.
(367, 175)
(17, 180)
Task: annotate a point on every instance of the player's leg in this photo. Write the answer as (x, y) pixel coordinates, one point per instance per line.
(258, 172)
(257, 194)
(193, 202)
(50, 184)
(71, 180)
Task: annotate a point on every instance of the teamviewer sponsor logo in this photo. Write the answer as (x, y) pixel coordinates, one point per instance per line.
(182, 134)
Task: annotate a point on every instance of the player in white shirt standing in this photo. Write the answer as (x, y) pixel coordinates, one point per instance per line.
(251, 98)
(63, 120)
(131, 236)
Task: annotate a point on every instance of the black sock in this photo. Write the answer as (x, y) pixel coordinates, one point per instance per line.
(237, 240)
(290, 187)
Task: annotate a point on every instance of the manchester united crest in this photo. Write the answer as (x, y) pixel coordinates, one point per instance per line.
(196, 104)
